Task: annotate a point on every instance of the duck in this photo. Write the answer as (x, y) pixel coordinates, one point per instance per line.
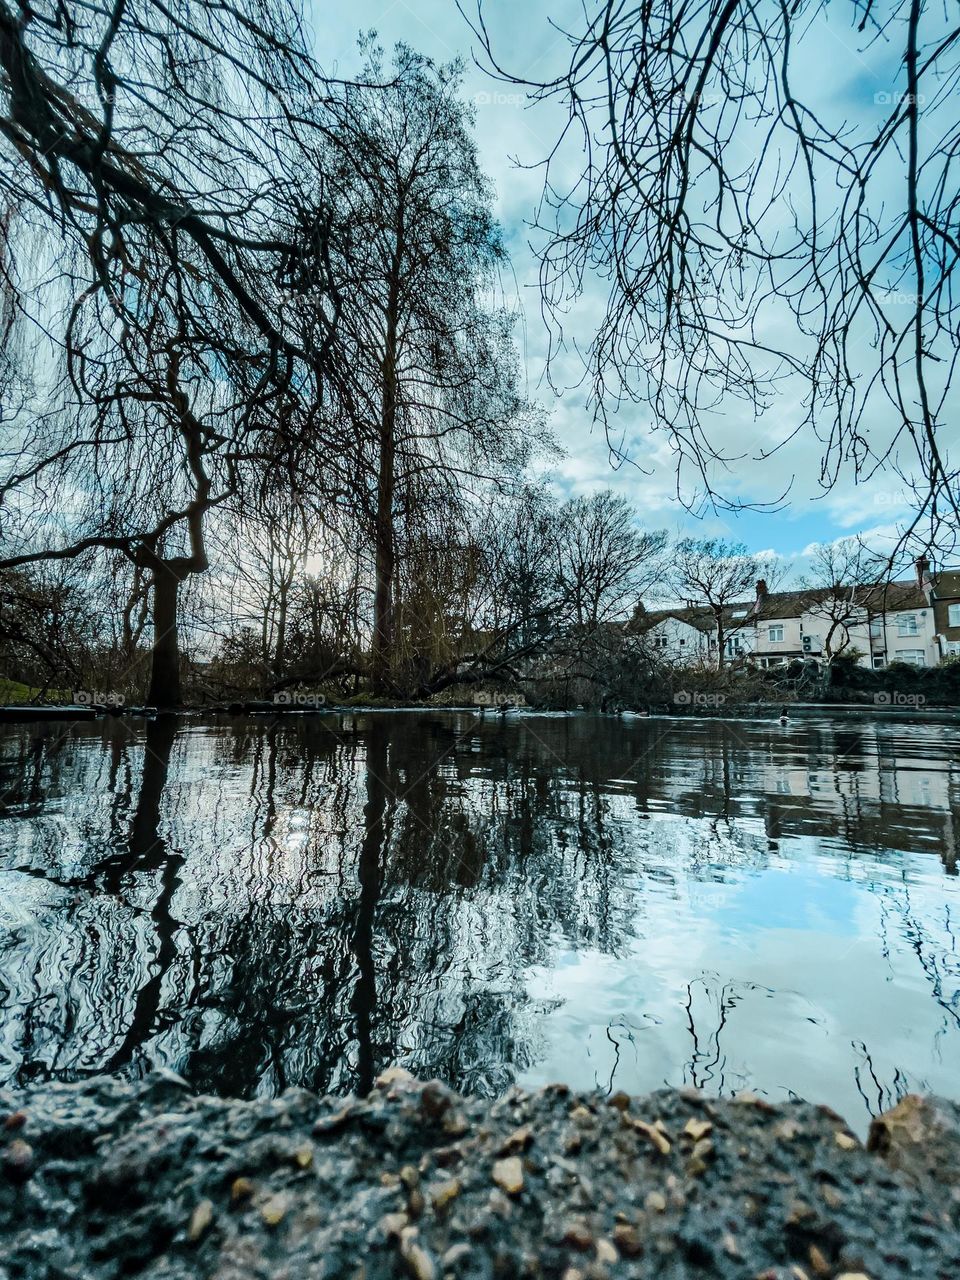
(784, 718)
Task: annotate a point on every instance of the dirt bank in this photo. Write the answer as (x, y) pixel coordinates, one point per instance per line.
(107, 1179)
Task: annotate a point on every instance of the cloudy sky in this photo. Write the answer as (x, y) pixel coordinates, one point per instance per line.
(513, 136)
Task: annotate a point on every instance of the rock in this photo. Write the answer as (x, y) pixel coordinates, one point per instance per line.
(519, 1140)
(606, 1253)
(845, 1141)
(303, 1156)
(241, 1189)
(697, 1129)
(419, 1262)
(435, 1099)
(200, 1220)
(274, 1210)
(508, 1175)
(15, 1120)
(651, 1132)
(442, 1196)
(818, 1261)
(578, 1236)
(628, 1240)
(18, 1160)
(920, 1137)
(656, 1202)
(619, 1100)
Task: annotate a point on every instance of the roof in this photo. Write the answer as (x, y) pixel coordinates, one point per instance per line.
(889, 597)
(946, 585)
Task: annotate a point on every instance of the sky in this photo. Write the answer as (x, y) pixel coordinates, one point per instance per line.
(513, 137)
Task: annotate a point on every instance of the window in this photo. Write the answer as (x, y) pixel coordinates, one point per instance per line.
(953, 615)
(915, 657)
(907, 624)
(775, 635)
(878, 662)
(682, 641)
(660, 642)
(953, 648)
(738, 613)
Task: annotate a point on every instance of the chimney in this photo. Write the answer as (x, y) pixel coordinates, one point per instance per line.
(924, 581)
(761, 591)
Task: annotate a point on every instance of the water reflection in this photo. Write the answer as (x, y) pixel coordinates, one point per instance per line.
(616, 903)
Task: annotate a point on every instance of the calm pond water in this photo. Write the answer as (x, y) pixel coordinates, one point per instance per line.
(616, 903)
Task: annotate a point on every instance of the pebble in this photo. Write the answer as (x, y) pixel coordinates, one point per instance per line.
(274, 1210)
(818, 1261)
(241, 1189)
(419, 1262)
(200, 1219)
(846, 1142)
(628, 1240)
(519, 1140)
(15, 1120)
(652, 1132)
(578, 1236)
(18, 1160)
(656, 1202)
(508, 1174)
(606, 1252)
(697, 1129)
(444, 1194)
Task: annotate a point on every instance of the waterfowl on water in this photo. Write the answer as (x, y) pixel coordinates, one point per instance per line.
(784, 718)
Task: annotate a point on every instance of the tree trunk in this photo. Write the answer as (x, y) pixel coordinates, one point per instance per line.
(383, 620)
(165, 667)
(721, 641)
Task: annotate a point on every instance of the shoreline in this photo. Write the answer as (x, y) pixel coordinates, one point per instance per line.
(105, 1178)
(736, 711)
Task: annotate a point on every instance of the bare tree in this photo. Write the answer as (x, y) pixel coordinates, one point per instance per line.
(837, 589)
(718, 575)
(753, 239)
(159, 234)
(606, 560)
(432, 393)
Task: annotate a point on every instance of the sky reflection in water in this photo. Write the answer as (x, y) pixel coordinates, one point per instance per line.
(616, 903)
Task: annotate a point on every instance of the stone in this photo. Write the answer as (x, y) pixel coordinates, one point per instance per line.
(656, 1202)
(578, 1236)
(628, 1240)
(442, 1196)
(200, 1220)
(697, 1129)
(241, 1189)
(845, 1141)
(519, 1140)
(652, 1132)
(18, 1160)
(508, 1175)
(274, 1210)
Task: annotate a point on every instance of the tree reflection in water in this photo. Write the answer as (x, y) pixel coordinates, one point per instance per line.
(260, 903)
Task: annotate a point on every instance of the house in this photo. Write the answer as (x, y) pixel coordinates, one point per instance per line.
(915, 621)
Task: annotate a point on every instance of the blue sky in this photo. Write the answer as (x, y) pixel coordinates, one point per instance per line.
(508, 130)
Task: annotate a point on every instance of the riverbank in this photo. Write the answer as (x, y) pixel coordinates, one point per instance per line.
(106, 1178)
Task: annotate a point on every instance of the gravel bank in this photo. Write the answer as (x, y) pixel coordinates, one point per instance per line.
(106, 1179)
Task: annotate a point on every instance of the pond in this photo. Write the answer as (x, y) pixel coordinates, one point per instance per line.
(257, 903)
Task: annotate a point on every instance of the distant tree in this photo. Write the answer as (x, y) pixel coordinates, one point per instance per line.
(717, 575)
(607, 561)
(837, 587)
